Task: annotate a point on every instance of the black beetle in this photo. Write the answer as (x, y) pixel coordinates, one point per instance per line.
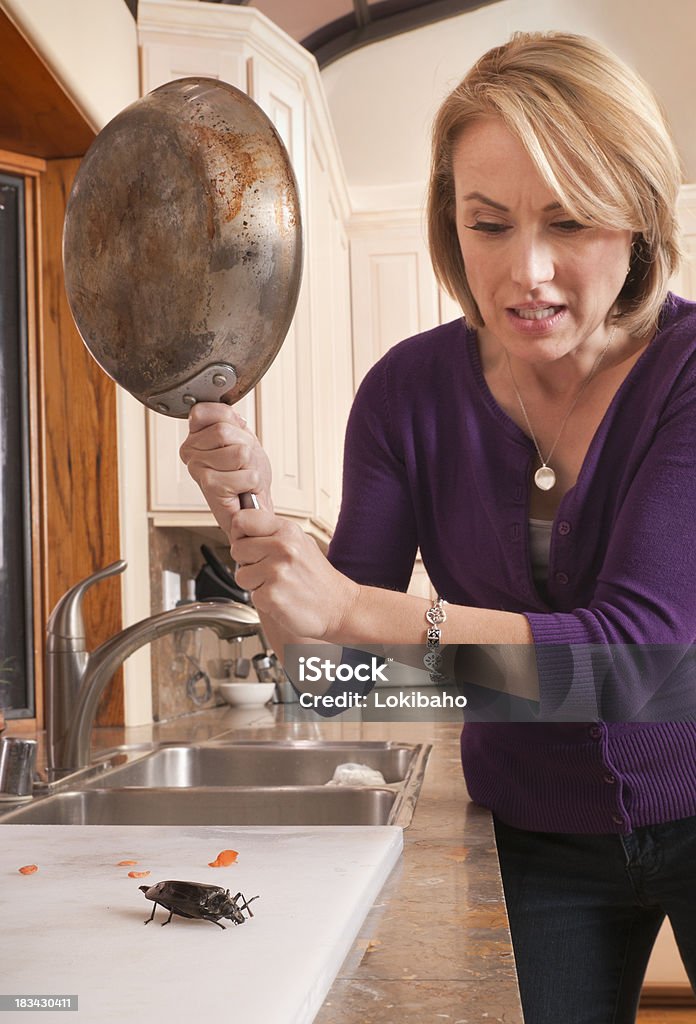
(195, 899)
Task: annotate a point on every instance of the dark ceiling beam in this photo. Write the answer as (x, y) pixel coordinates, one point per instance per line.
(342, 37)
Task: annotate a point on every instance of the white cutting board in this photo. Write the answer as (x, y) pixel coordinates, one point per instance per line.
(75, 927)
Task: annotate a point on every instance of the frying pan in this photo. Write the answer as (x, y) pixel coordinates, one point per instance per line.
(182, 246)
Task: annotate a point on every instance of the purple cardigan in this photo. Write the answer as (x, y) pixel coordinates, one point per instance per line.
(433, 462)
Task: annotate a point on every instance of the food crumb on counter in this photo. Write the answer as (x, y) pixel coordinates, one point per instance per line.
(224, 859)
(126, 863)
(138, 874)
(28, 869)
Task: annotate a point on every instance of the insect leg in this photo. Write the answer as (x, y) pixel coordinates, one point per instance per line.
(154, 908)
(171, 914)
(245, 902)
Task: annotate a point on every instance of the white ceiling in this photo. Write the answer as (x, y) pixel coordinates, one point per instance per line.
(383, 97)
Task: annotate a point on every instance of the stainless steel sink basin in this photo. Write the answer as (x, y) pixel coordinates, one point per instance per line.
(257, 764)
(237, 783)
(216, 806)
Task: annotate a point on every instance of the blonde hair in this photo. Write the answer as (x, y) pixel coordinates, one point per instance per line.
(597, 137)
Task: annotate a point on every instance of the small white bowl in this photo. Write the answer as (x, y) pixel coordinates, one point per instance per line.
(246, 694)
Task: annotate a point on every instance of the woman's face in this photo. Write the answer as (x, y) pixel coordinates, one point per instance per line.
(544, 283)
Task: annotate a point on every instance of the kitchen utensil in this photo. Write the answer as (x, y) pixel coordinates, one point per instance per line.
(182, 246)
(241, 667)
(269, 669)
(216, 580)
(17, 762)
(264, 667)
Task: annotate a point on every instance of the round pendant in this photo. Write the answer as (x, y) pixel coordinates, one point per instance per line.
(545, 478)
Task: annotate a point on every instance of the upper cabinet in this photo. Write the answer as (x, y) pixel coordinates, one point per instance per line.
(332, 361)
(284, 399)
(299, 408)
(394, 291)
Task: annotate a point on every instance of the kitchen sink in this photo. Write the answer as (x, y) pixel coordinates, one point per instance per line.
(257, 764)
(236, 783)
(311, 805)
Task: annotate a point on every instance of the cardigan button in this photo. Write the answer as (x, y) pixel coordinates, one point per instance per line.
(610, 779)
(562, 578)
(617, 819)
(564, 527)
(595, 732)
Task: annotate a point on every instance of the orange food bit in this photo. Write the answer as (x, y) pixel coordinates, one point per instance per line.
(224, 859)
(138, 874)
(28, 869)
(126, 863)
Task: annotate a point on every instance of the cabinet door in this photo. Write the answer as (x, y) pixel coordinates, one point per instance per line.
(394, 290)
(284, 404)
(332, 362)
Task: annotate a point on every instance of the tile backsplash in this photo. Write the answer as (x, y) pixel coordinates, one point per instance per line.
(177, 658)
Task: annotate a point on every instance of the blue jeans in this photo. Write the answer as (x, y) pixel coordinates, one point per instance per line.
(584, 913)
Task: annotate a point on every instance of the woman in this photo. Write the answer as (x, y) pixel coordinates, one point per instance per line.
(542, 455)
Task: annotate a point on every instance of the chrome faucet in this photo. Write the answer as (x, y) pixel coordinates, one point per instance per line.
(76, 677)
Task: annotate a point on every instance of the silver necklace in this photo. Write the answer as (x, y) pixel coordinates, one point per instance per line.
(545, 478)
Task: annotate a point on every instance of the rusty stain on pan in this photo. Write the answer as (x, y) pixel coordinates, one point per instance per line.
(182, 244)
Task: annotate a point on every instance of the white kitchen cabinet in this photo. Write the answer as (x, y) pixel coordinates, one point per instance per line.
(332, 364)
(284, 396)
(394, 293)
(163, 62)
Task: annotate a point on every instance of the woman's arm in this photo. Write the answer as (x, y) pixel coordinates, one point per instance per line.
(297, 588)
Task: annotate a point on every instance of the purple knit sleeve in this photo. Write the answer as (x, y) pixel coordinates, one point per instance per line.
(631, 646)
(375, 539)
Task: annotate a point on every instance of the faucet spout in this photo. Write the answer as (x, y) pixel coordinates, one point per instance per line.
(69, 748)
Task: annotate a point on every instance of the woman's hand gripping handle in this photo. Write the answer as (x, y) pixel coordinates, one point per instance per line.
(227, 462)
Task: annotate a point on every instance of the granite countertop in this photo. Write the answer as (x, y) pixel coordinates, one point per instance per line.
(436, 947)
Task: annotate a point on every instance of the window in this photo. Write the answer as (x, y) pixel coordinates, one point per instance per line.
(16, 615)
